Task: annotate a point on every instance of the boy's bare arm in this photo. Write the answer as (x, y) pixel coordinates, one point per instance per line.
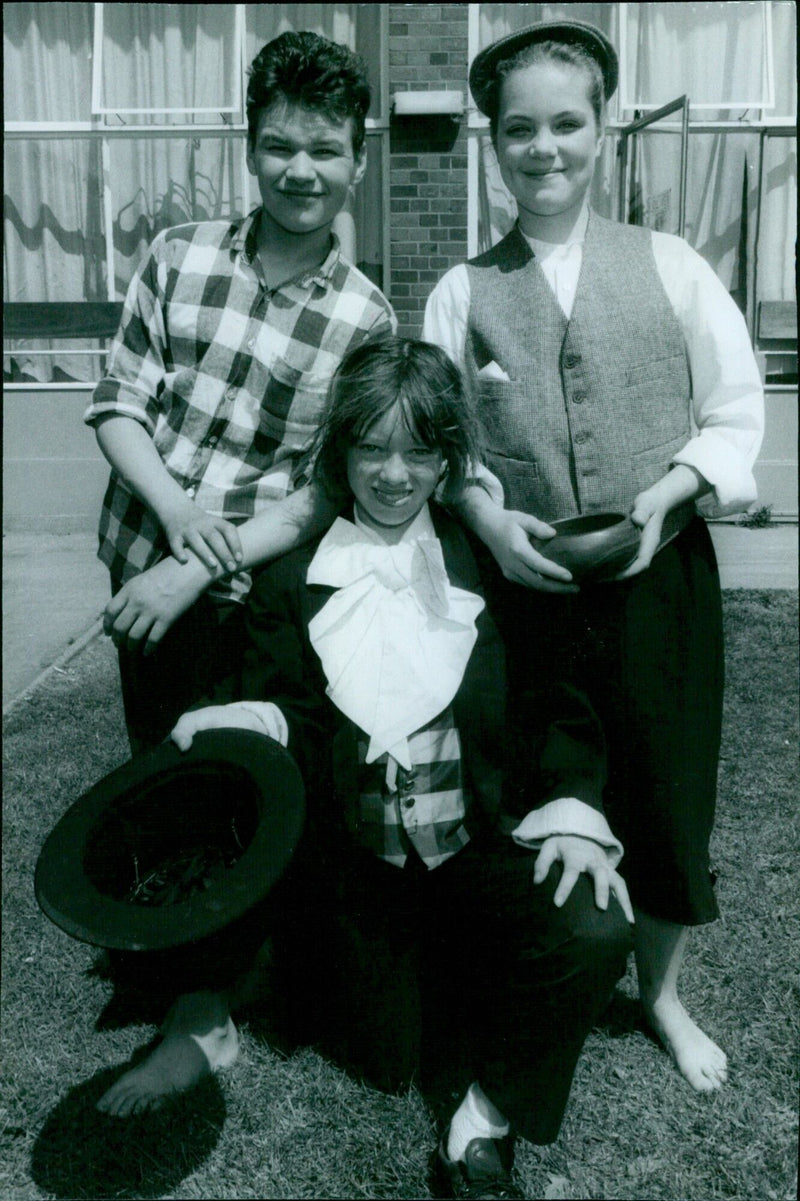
(145, 608)
(132, 453)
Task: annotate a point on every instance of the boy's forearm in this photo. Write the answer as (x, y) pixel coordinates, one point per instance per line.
(285, 525)
(479, 512)
(132, 453)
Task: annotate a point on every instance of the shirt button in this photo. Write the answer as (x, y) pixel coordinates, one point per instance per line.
(251, 343)
(191, 490)
(213, 441)
(408, 802)
(578, 398)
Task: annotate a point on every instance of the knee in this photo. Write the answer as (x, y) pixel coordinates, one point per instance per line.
(597, 935)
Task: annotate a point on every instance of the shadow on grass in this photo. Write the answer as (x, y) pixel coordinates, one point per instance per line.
(623, 1017)
(82, 1153)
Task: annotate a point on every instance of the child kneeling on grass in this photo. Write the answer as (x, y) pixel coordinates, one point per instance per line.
(373, 658)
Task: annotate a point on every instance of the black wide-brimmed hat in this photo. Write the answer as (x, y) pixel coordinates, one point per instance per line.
(483, 72)
(173, 846)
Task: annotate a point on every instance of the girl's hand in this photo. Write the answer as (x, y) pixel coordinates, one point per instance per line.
(649, 515)
(580, 855)
(681, 483)
(213, 539)
(264, 718)
(510, 543)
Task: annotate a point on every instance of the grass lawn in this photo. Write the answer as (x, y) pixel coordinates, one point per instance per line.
(293, 1125)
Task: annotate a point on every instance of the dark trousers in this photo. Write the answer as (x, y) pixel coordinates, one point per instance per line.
(203, 646)
(470, 959)
(648, 654)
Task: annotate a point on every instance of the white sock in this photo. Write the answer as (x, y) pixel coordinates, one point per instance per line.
(476, 1117)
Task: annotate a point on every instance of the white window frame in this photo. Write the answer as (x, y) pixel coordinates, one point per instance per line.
(377, 128)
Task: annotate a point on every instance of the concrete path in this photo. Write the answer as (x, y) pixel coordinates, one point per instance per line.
(55, 590)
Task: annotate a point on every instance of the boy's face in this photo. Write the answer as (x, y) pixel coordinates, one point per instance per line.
(305, 166)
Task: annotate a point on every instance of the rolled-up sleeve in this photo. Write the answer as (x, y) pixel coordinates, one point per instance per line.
(134, 379)
(727, 392)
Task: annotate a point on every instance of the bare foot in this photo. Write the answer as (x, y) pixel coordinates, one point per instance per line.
(698, 1058)
(198, 1038)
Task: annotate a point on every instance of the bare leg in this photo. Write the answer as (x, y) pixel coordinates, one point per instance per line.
(659, 947)
(198, 1037)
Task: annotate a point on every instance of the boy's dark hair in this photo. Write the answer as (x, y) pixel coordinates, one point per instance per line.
(434, 401)
(306, 69)
(573, 54)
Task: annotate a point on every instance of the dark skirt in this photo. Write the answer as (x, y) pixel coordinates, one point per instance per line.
(648, 653)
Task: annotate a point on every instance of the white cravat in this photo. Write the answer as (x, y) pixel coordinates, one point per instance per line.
(395, 638)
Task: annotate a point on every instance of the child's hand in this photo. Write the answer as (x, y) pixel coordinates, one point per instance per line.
(213, 539)
(580, 855)
(260, 716)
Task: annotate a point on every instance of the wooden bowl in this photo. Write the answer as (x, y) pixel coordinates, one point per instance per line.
(594, 547)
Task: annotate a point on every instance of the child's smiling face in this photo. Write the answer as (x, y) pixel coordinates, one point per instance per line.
(548, 139)
(392, 474)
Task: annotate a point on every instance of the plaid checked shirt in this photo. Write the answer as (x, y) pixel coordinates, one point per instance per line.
(427, 809)
(228, 378)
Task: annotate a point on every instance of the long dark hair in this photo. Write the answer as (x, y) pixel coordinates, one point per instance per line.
(433, 400)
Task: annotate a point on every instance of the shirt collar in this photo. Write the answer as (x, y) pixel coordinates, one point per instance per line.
(244, 241)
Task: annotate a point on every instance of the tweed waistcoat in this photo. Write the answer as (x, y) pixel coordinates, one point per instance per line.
(594, 406)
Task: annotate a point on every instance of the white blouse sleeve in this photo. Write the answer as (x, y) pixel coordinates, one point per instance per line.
(446, 313)
(727, 393)
(445, 325)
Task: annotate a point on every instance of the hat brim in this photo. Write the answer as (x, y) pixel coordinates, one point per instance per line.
(484, 67)
(79, 879)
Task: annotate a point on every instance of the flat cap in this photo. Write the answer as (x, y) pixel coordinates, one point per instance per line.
(484, 67)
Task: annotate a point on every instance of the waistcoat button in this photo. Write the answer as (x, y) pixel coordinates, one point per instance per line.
(571, 360)
(578, 398)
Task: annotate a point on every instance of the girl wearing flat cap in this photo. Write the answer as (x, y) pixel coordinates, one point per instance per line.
(613, 372)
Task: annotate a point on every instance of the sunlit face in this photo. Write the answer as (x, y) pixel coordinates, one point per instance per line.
(305, 166)
(548, 138)
(392, 474)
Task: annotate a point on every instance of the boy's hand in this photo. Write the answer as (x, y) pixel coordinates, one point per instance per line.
(145, 608)
(264, 718)
(213, 539)
(580, 855)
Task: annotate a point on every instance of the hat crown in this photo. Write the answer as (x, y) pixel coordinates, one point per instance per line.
(483, 72)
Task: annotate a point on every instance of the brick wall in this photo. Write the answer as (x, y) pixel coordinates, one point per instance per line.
(428, 156)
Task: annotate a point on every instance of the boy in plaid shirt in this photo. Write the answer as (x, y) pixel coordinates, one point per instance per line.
(216, 379)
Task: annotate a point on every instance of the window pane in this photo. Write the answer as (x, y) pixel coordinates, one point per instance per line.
(47, 67)
(159, 182)
(778, 227)
(354, 25)
(714, 53)
(784, 38)
(54, 242)
(169, 56)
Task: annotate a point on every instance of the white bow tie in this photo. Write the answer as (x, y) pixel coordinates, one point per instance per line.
(395, 639)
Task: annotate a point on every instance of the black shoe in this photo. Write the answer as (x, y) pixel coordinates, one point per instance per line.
(484, 1172)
